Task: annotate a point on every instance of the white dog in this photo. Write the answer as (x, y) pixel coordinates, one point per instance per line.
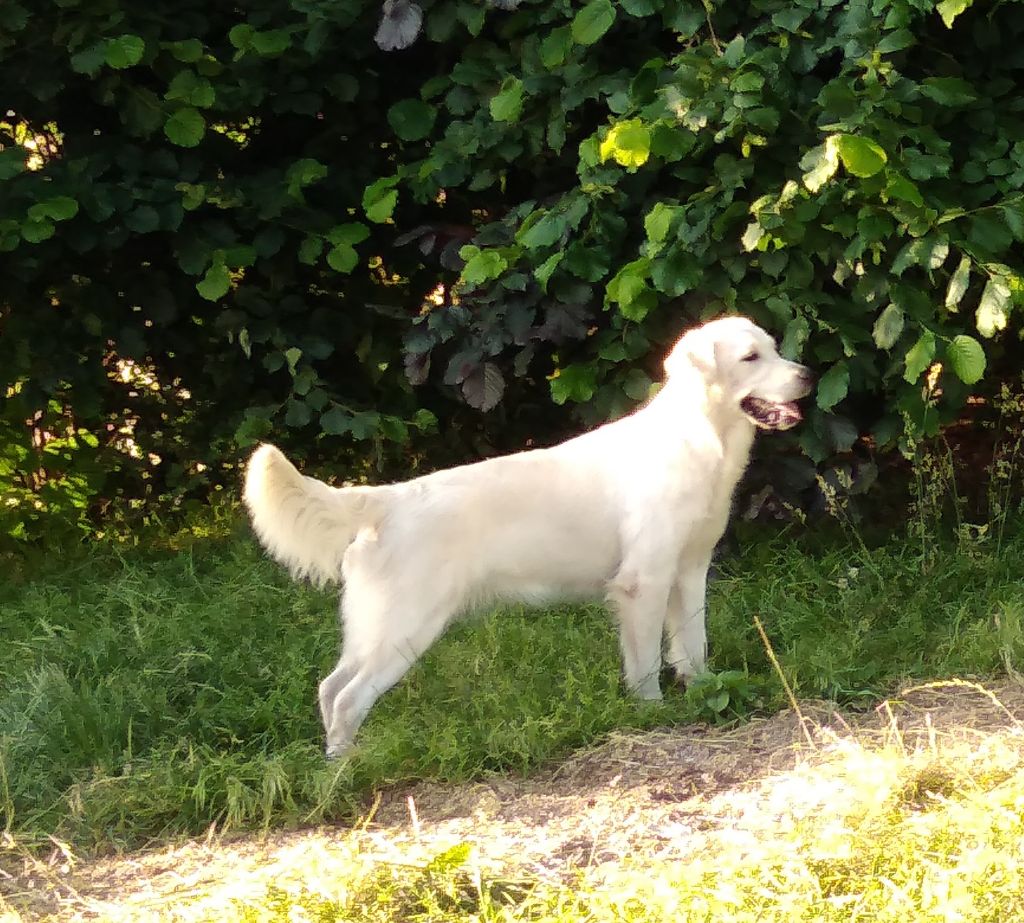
(629, 512)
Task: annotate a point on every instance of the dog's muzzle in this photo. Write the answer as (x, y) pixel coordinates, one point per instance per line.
(777, 415)
(771, 414)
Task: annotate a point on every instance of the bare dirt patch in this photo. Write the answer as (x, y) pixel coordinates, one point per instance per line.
(662, 795)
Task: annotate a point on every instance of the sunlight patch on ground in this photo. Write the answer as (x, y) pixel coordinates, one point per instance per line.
(917, 808)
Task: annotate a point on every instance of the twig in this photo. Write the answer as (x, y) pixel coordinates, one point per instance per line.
(963, 683)
(785, 685)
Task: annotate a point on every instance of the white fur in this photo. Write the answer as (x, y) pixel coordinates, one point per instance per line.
(629, 513)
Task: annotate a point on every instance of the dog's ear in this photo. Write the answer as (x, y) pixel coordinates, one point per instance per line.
(696, 349)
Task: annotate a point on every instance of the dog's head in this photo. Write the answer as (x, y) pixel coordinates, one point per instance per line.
(742, 368)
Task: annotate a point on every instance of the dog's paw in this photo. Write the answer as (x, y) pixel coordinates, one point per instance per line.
(670, 679)
(336, 752)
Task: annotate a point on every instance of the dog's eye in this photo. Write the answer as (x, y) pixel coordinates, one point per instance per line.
(752, 357)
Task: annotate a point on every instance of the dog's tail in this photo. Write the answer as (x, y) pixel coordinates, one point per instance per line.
(304, 523)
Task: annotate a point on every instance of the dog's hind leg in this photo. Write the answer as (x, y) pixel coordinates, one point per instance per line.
(331, 685)
(685, 623)
(378, 670)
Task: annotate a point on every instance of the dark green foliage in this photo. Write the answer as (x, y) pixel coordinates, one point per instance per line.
(186, 261)
(230, 220)
(848, 173)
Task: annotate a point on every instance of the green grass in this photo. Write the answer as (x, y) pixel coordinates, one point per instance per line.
(144, 694)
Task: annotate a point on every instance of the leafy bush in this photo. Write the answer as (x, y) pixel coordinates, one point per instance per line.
(849, 174)
(179, 227)
(219, 224)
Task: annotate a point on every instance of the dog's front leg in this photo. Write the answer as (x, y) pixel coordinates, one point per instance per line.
(640, 603)
(685, 622)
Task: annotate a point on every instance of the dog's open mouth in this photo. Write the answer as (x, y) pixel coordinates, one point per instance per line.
(771, 414)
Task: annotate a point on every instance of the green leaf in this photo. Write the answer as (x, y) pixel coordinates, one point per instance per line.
(412, 119)
(671, 142)
(298, 413)
(142, 219)
(989, 231)
(304, 172)
(240, 255)
(188, 51)
(659, 220)
(507, 104)
(364, 424)
(36, 230)
(752, 236)
(950, 9)
(748, 82)
(185, 127)
(380, 199)
(860, 156)
(553, 225)
(629, 289)
(734, 51)
(271, 42)
(591, 22)
(790, 18)
(637, 385)
(342, 258)
(481, 266)
(191, 89)
(676, 273)
(310, 250)
(555, 47)
(948, 91)
(929, 251)
(124, 51)
(919, 357)
(1013, 214)
(833, 386)
(193, 255)
(994, 307)
(958, 283)
(90, 59)
(336, 422)
(795, 336)
(640, 8)
(12, 162)
(57, 208)
(820, 164)
(628, 143)
(896, 41)
(899, 187)
(718, 701)
(966, 358)
(192, 195)
(352, 233)
(576, 382)
(888, 327)
(216, 283)
(544, 272)
(268, 241)
(292, 355)
(241, 36)
(629, 281)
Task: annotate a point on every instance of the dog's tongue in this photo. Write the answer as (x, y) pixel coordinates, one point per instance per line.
(771, 414)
